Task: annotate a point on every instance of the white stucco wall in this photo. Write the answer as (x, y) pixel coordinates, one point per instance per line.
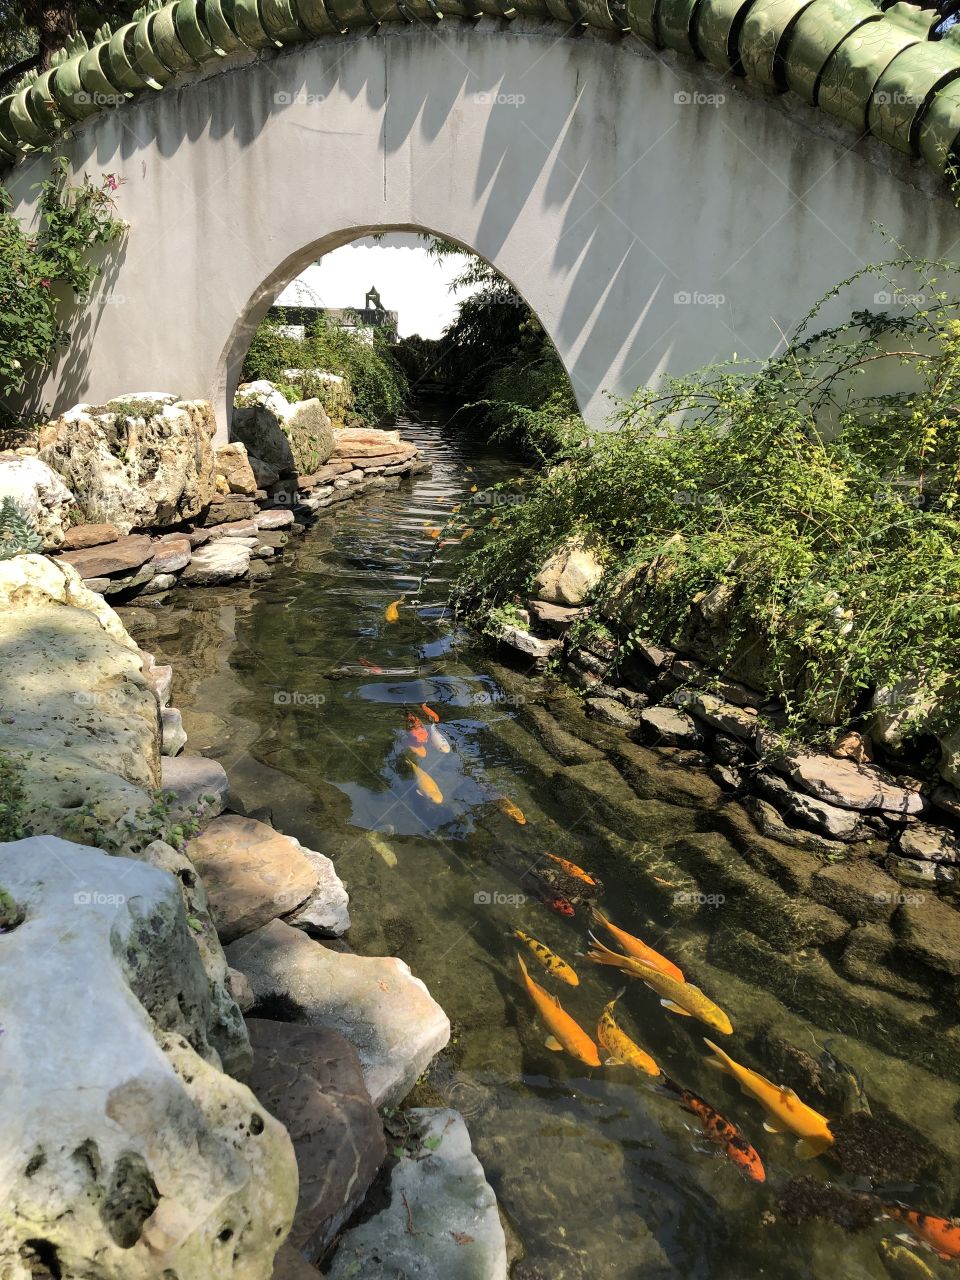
(579, 166)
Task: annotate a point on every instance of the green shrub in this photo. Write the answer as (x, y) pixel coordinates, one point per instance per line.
(376, 386)
(810, 518)
(39, 273)
(12, 798)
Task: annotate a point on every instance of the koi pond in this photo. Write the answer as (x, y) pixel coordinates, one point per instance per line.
(300, 687)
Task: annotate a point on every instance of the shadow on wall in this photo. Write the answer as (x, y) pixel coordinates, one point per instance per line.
(520, 137)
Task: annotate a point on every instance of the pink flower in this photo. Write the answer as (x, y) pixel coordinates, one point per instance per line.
(44, 283)
(112, 181)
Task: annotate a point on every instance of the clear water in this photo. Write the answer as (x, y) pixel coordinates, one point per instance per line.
(598, 1175)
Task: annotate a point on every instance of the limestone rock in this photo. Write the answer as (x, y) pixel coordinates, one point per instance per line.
(33, 581)
(291, 438)
(41, 496)
(158, 677)
(136, 462)
(290, 1264)
(441, 1221)
(173, 737)
(568, 576)
(159, 583)
(217, 563)
(263, 473)
(326, 910)
(553, 618)
(311, 1080)
(235, 529)
(228, 509)
(933, 844)
(89, 535)
(668, 727)
(252, 873)
(529, 645)
(849, 785)
(900, 709)
(126, 1150)
(231, 462)
(196, 783)
(376, 1003)
(720, 715)
(120, 557)
(830, 820)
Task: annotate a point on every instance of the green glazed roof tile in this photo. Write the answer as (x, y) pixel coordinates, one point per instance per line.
(903, 90)
(763, 40)
(851, 73)
(876, 70)
(640, 17)
(815, 35)
(716, 31)
(192, 31)
(940, 127)
(166, 43)
(674, 22)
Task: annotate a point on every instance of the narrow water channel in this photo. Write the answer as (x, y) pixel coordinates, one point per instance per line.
(298, 685)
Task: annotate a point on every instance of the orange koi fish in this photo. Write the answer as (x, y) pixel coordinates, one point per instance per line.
(417, 750)
(572, 869)
(622, 1050)
(511, 810)
(418, 730)
(941, 1235)
(429, 713)
(565, 1034)
(558, 904)
(639, 950)
(426, 785)
(718, 1129)
(371, 666)
(433, 533)
(437, 740)
(393, 611)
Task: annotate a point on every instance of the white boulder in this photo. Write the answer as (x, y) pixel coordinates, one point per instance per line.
(41, 496)
(127, 1154)
(568, 576)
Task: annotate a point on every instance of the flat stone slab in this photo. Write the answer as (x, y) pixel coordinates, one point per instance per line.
(358, 442)
(528, 644)
(441, 1222)
(123, 556)
(667, 727)
(276, 518)
(375, 1002)
(847, 784)
(930, 931)
(555, 618)
(89, 535)
(252, 873)
(172, 553)
(216, 563)
(311, 1080)
(194, 779)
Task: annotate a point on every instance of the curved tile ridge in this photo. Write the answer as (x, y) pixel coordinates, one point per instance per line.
(878, 70)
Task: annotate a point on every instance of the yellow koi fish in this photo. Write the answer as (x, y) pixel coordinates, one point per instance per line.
(551, 962)
(639, 950)
(393, 611)
(426, 785)
(677, 997)
(572, 869)
(511, 810)
(565, 1034)
(903, 1263)
(437, 740)
(622, 1050)
(785, 1111)
(381, 846)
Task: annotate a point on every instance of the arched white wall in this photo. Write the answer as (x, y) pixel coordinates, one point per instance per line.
(650, 226)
